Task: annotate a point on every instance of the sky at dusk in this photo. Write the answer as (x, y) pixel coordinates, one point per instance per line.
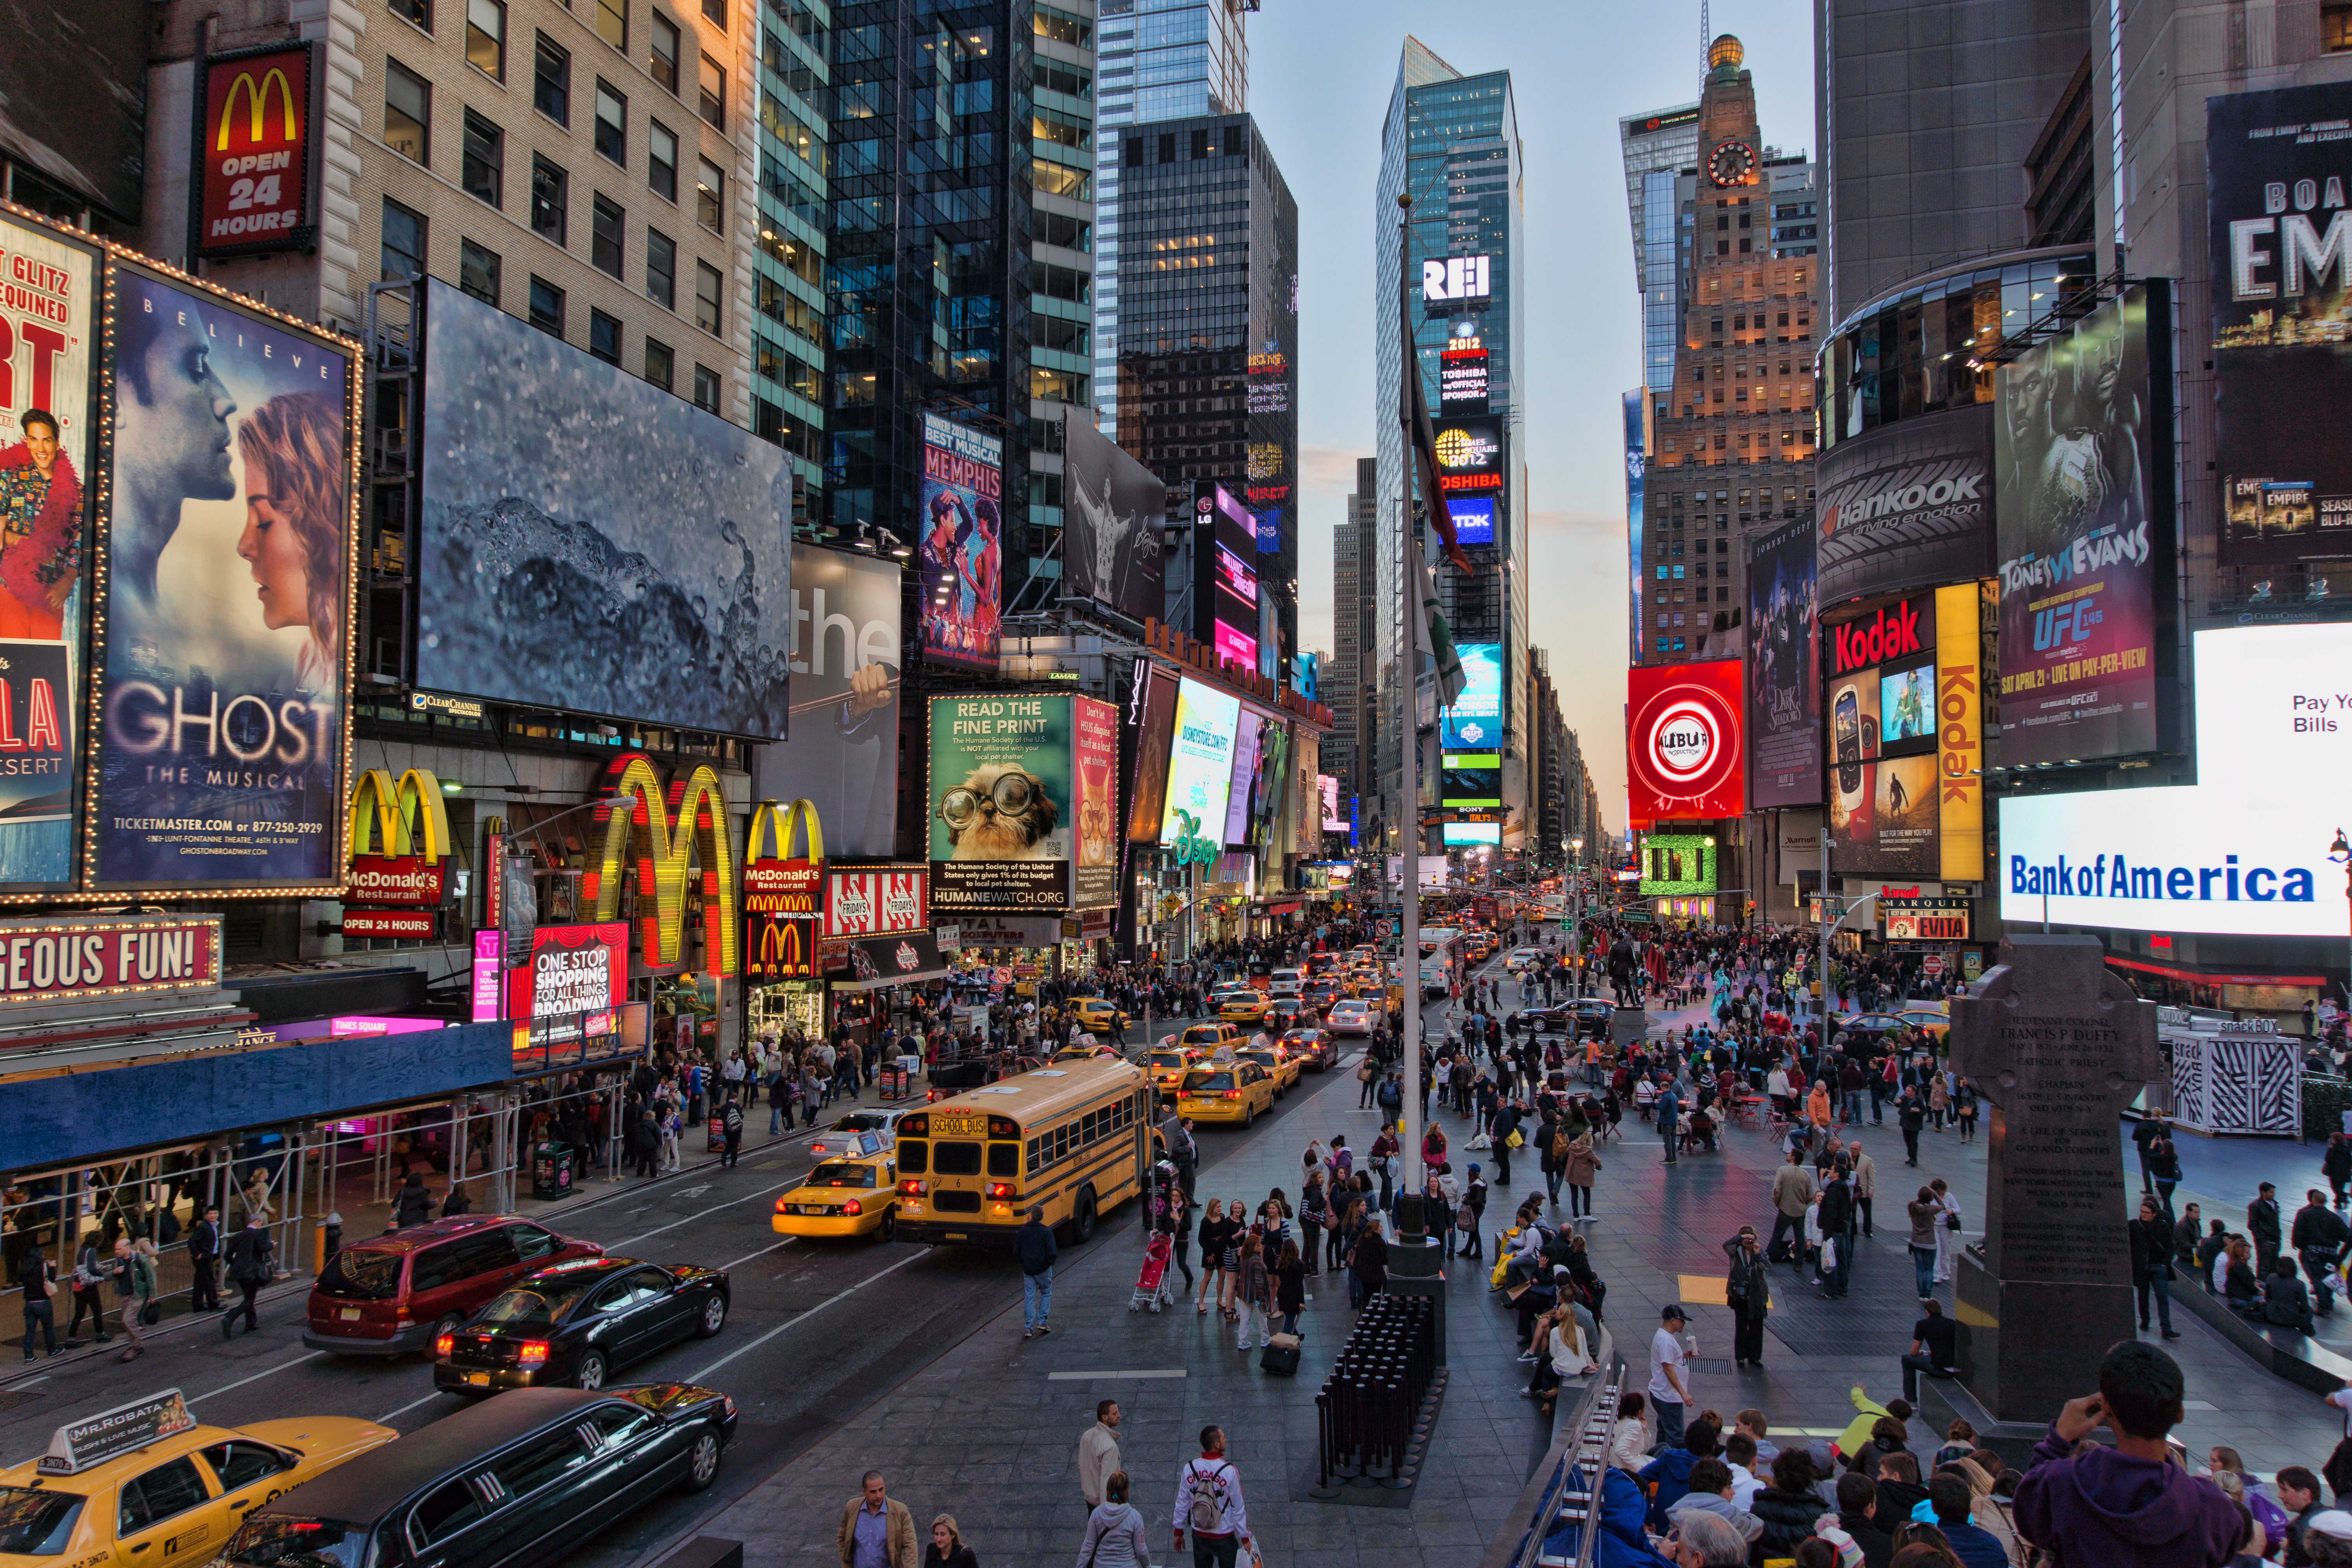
(1321, 73)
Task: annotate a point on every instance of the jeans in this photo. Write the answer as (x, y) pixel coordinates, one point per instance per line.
(2317, 1263)
(1923, 1270)
(1670, 1422)
(2163, 1290)
(1837, 1282)
(1580, 1201)
(777, 1113)
(1913, 1365)
(1551, 1182)
(87, 1299)
(1854, 1105)
(1250, 1313)
(1215, 1550)
(1036, 1299)
(1667, 1130)
(1791, 1226)
(38, 1311)
(1877, 1108)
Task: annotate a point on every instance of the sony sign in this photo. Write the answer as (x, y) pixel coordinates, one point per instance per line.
(1456, 278)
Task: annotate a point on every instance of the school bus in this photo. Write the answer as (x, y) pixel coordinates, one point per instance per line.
(1073, 1138)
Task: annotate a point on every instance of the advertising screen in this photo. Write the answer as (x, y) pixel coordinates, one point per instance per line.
(1475, 722)
(228, 557)
(964, 542)
(1113, 511)
(1200, 761)
(1636, 406)
(1462, 377)
(1247, 738)
(47, 321)
(1854, 740)
(1474, 832)
(1924, 919)
(1906, 506)
(2084, 459)
(2275, 164)
(1232, 599)
(1784, 648)
(1474, 519)
(1007, 798)
(1677, 863)
(1683, 745)
(573, 970)
(1447, 278)
(1906, 709)
(1328, 788)
(554, 569)
(1152, 712)
(842, 755)
(875, 900)
(2243, 851)
(1472, 778)
(1272, 789)
(1094, 874)
(253, 188)
(1469, 455)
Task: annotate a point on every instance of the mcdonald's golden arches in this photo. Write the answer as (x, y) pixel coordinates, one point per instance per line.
(682, 847)
(253, 188)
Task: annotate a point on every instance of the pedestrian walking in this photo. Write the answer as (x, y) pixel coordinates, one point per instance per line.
(134, 1287)
(1033, 1245)
(1098, 1452)
(37, 1279)
(1473, 1217)
(946, 1548)
(1668, 1390)
(877, 1530)
(89, 1287)
(249, 1268)
(1209, 1503)
(2151, 1262)
(1583, 1163)
(730, 1124)
(1910, 1116)
(1748, 1291)
(204, 1247)
(2318, 1237)
(1115, 1532)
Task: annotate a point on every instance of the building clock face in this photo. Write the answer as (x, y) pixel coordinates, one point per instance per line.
(1732, 164)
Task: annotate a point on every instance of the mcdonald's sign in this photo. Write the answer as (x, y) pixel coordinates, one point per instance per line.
(780, 947)
(400, 841)
(679, 843)
(255, 168)
(773, 882)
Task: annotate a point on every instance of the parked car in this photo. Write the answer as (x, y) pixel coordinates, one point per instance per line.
(390, 1295)
(571, 1325)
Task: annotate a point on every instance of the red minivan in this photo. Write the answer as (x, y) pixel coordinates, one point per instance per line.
(393, 1294)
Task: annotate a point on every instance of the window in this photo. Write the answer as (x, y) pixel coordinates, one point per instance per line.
(707, 283)
(540, 1463)
(1135, 151)
(618, 1425)
(546, 306)
(661, 160)
(550, 80)
(417, 11)
(711, 197)
(484, 161)
(714, 92)
(403, 242)
(612, 23)
(605, 337)
(1004, 1158)
(486, 37)
(532, 1242)
(705, 388)
(611, 124)
(407, 110)
(661, 364)
(716, 10)
(477, 273)
(2335, 29)
(661, 269)
(604, 225)
(549, 199)
(445, 1511)
(243, 1462)
(161, 1493)
(663, 63)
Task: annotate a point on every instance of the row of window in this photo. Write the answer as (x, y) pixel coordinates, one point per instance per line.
(1075, 1136)
(486, 42)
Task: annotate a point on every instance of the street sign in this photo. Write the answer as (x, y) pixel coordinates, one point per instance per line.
(1383, 930)
(1933, 964)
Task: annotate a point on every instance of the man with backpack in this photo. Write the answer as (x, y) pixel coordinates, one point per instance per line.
(730, 1122)
(1209, 1503)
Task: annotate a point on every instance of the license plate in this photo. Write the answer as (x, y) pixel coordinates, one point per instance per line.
(349, 1314)
(483, 1378)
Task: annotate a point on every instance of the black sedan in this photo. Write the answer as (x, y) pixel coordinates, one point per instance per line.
(1584, 1018)
(571, 1325)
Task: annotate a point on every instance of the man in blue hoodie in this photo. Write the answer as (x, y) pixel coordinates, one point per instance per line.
(2128, 1504)
(1667, 1477)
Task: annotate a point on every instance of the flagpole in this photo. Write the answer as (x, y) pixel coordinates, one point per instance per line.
(1412, 1226)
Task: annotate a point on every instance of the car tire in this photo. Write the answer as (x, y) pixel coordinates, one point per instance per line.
(447, 1324)
(702, 1460)
(714, 1316)
(888, 1229)
(591, 1372)
(1249, 1115)
(1082, 1218)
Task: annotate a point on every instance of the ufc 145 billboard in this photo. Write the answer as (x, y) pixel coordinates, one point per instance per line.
(1683, 741)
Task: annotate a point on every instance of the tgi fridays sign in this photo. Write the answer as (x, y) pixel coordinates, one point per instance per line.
(72, 960)
(875, 900)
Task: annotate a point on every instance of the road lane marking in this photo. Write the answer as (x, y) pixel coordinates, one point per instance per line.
(385, 1419)
(700, 1214)
(697, 1376)
(762, 1253)
(258, 1376)
(1088, 1376)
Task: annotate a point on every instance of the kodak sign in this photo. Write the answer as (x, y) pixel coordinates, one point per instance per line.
(1959, 729)
(253, 187)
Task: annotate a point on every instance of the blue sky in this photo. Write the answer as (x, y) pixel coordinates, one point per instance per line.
(1320, 71)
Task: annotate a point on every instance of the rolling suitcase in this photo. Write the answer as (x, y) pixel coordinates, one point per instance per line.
(1280, 1357)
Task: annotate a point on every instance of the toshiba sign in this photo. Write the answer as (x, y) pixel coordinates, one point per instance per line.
(1683, 744)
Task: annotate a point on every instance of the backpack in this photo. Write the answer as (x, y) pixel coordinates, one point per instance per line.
(1205, 1514)
(1559, 1146)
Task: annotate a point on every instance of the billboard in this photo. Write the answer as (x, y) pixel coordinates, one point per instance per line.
(228, 554)
(844, 653)
(1636, 411)
(1906, 506)
(875, 900)
(1272, 786)
(1200, 761)
(1469, 455)
(256, 176)
(575, 972)
(1152, 712)
(554, 570)
(1474, 519)
(48, 327)
(1679, 863)
(2084, 461)
(2275, 164)
(1882, 770)
(2243, 851)
(1447, 279)
(1962, 612)
(1229, 596)
(1926, 919)
(1113, 511)
(1682, 748)
(1784, 660)
(1248, 736)
(1023, 791)
(964, 542)
(1328, 788)
(1475, 722)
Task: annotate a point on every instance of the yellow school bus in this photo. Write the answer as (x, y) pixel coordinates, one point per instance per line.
(1073, 1138)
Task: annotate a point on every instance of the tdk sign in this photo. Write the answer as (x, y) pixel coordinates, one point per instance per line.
(1456, 277)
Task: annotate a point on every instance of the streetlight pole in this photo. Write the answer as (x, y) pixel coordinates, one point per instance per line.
(1410, 1222)
(2341, 852)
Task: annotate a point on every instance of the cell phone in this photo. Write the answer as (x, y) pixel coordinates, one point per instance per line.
(1849, 742)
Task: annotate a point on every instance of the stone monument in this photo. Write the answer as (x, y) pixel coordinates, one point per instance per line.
(2059, 1047)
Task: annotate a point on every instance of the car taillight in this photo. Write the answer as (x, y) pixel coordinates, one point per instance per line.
(851, 1206)
(1000, 1189)
(780, 1206)
(534, 1352)
(911, 1185)
(445, 1344)
(1232, 1094)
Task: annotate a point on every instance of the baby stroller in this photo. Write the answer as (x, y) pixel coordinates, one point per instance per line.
(1152, 1288)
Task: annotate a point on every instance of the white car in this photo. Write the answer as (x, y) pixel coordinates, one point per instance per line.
(841, 1139)
(1522, 959)
(1294, 978)
(1353, 1016)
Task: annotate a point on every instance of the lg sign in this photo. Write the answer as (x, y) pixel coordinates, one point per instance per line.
(1456, 277)
(1682, 741)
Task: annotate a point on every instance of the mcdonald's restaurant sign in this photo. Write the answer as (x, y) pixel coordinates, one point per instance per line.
(779, 947)
(677, 842)
(399, 842)
(256, 164)
(774, 882)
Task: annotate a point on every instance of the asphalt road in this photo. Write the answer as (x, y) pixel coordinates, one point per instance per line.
(817, 1329)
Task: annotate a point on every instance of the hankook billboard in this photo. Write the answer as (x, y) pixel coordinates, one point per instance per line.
(1906, 506)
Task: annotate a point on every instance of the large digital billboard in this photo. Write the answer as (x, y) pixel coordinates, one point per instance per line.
(842, 755)
(1474, 721)
(49, 316)
(2275, 168)
(1230, 596)
(1683, 747)
(2243, 851)
(1676, 864)
(1784, 660)
(1113, 513)
(1636, 413)
(223, 726)
(2083, 453)
(1247, 738)
(1905, 507)
(1151, 717)
(1474, 519)
(1469, 455)
(558, 568)
(1023, 793)
(1881, 761)
(962, 543)
(1200, 761)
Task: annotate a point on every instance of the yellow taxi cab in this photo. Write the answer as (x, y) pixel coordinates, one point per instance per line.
(1243, 1008)
(1933, 1020)
(1167, 1064)
(1095, 1013)
(1280, 1064)
(852, 1195)
(1207, 1038)
(144, 1484)
(1230, 1092)
(1087, 1048)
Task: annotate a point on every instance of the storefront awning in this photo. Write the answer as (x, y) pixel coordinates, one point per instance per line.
(880, 960)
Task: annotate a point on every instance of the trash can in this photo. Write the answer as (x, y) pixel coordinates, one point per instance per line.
(554, 1170)
(892, 1082)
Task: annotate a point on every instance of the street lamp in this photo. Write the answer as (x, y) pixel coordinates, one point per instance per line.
(2340, 852)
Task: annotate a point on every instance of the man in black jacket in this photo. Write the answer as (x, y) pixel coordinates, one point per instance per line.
(2318, 1240)
(1858, 1501)
(204, 1246)
(2151, 1261)
(1837, 1225)
(1033, 1245)
(2263, 1227)
(248, 1258)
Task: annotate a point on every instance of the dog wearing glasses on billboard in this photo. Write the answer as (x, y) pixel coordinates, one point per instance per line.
(998, 814)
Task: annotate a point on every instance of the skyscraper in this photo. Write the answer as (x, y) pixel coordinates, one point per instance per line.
(1345, 689)
(1658, 147)
(1157, 60)
(1452, 143)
